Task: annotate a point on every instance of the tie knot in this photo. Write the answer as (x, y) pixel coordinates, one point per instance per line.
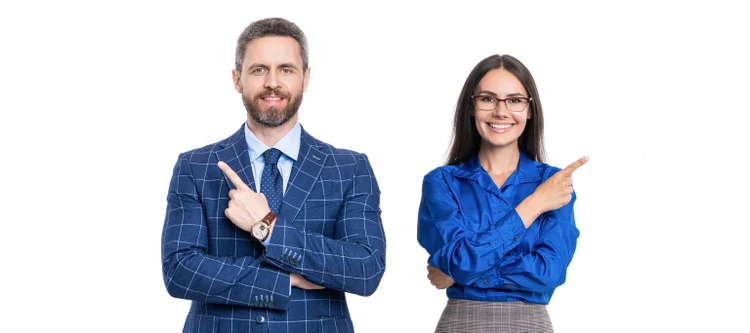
(272, 156)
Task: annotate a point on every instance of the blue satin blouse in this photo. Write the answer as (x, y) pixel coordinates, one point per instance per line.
(473, 234)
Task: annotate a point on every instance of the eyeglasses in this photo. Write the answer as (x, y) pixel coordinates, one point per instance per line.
(490, 103)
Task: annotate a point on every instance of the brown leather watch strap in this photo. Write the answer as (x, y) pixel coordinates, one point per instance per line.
(269, 218)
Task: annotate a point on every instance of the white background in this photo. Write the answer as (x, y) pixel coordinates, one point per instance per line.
(97, 100)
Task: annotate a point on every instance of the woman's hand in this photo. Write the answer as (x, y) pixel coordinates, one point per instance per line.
(557, 190)
(438, 279)
(554, 193)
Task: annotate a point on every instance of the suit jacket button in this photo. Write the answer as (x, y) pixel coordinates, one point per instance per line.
(260, 319)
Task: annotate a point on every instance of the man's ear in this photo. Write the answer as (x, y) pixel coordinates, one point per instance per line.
(305, 79)
(236, 80)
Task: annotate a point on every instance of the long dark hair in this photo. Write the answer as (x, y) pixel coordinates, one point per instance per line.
(466, 139)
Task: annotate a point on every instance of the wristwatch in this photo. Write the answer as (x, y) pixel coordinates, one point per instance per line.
(260, 229)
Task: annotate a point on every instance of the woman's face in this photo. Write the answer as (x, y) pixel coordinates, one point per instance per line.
(500, 127)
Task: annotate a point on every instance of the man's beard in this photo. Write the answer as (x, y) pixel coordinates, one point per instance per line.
(273, 116)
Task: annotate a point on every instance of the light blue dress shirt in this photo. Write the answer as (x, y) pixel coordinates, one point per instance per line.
(289, 147)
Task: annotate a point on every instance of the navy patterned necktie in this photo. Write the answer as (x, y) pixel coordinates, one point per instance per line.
(271, 183)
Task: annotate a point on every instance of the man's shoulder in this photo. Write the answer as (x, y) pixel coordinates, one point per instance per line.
(340, 164)
(339, 156)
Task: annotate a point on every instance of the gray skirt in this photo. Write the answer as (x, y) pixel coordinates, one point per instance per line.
(479, 317)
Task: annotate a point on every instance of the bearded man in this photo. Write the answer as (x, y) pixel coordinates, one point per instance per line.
(267, 230)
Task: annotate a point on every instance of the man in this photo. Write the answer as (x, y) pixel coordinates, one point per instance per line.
(266, 230)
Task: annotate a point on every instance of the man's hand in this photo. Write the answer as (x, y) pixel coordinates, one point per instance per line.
(245, 205)
(438, 279)
(300, 282)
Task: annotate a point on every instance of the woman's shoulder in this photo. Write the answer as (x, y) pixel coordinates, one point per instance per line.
(466, 169)
(440, 173)
(546, 170)
(536, 169)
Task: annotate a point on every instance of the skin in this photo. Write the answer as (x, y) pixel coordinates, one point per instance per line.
(271, 80)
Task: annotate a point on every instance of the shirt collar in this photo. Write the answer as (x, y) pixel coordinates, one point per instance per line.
(289, 144)
(526, 171)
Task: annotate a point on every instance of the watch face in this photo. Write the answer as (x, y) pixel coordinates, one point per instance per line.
(260, 230)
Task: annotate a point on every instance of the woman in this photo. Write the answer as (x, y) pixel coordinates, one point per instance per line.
(498, 222)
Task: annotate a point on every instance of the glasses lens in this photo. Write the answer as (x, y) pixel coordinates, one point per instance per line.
(486, 103)
(517, 104)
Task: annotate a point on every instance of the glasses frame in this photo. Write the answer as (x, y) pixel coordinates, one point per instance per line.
(528, 101)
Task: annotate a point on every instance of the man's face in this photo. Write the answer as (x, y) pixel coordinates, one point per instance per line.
(272, 80)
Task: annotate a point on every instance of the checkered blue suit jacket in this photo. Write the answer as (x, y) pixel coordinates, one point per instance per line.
(328, 231)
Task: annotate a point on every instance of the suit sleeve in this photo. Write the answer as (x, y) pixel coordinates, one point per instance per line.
(189, 272)
(353, 260)
(464, 255)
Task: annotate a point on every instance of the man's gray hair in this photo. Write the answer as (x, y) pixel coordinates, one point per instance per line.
(270, 27)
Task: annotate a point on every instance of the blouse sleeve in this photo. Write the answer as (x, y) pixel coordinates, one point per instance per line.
(544, 269)
(466, 256)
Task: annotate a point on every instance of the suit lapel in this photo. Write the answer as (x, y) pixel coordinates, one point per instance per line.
(305, 172)
(236, 155)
